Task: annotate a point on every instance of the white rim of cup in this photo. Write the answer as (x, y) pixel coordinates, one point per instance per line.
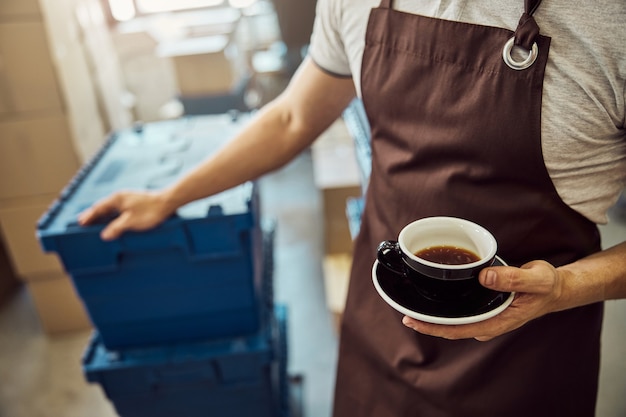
(463, 222)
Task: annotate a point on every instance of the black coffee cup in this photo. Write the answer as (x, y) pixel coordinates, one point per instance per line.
(441, 256)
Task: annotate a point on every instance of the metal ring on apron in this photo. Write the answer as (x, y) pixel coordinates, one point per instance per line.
(517, 65)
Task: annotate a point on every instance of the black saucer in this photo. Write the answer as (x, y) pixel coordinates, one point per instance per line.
(402, 295)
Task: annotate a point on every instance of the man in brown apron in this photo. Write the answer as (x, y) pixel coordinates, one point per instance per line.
(456, 132)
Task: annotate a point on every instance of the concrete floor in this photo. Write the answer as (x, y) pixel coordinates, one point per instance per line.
(42, 377)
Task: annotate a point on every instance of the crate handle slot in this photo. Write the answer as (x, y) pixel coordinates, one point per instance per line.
(162, 378)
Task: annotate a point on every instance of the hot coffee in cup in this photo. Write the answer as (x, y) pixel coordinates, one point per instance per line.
(442, 256)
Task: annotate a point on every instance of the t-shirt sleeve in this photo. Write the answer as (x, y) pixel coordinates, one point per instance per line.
(327, 47)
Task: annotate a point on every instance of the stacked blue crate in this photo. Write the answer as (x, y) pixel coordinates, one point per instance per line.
(196, 276)
(355, 117)
(354, 211)
(356, 121)
(226, 378)
(184, 313)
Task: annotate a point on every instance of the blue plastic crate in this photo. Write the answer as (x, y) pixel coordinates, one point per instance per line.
(196, 276)
(228, 378)
(356, 121)
(354, 212)
(283, 387)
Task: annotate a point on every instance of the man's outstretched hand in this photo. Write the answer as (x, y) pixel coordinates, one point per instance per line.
(136, 210)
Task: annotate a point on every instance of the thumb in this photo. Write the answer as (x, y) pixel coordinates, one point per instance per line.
(504, 279)
(488, 278)
(534, 277)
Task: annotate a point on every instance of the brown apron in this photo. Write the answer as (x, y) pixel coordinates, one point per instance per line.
(456, 132)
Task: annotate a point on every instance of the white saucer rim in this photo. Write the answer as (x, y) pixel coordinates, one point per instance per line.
(435, 319)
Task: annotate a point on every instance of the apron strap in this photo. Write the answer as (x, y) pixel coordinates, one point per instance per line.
(525, 37)
(527, 29)
(531, 5)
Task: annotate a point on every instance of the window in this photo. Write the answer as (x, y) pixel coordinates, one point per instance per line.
(122, 10)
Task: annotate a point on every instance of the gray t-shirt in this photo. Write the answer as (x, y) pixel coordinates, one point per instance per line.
(583, 109)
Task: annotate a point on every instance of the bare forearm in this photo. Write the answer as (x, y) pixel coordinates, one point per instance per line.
(312, 101)
(601, 276)
(541, 289)
(265, 144)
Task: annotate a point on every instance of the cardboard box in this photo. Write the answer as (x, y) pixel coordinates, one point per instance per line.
(82, 52)
(295, 19)
(58, 307)
(18, 220)
(27, 69)
(336, 174)
(86, 122)
(334, 158)
(143, 70)
(8, 280)
(6, 104)
(336, 281)
(337, 236)
(99, 51)
(19, 9)
(202, 65)
(36, 156)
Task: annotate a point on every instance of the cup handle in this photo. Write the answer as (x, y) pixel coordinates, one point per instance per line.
(389, 255)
